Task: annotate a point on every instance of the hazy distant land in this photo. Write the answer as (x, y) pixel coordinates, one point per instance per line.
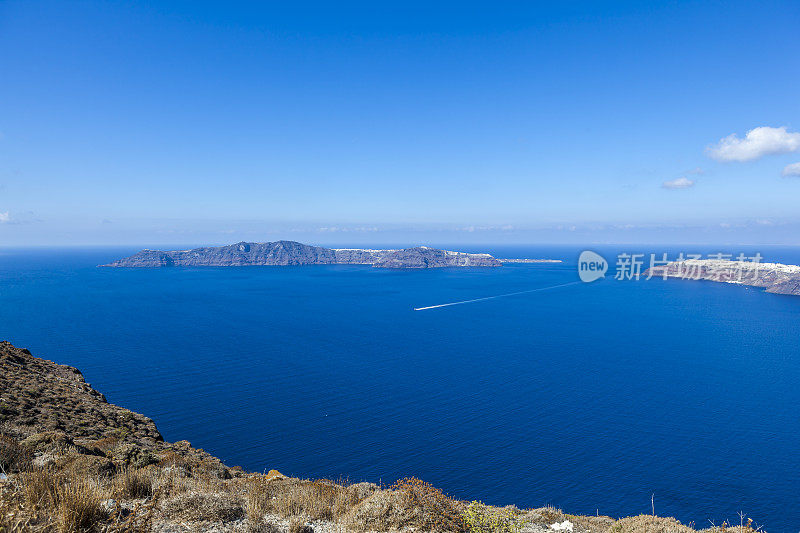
(286, 253)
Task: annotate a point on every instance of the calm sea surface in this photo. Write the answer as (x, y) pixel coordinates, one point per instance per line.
(590, 397)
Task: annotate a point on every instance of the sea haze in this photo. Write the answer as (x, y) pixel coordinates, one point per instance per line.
(590, 397)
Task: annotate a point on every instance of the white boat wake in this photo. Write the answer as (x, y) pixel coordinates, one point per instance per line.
(497, 296)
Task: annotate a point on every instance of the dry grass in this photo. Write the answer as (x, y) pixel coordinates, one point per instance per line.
(79, 505)
(13, 519)
(70, 504)
(139, 520)
(13, 457)
(649, 524)
(288, 498)
(40, 487)
(134, 483)
(257, 499)
(201, 506)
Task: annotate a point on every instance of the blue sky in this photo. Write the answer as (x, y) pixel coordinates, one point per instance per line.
(530, 122)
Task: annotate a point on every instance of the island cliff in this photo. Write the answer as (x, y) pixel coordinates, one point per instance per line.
(776, 278)
(286, 253)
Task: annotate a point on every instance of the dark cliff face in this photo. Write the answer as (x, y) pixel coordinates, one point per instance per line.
(791, 287)
(285, 253)
(239, 254)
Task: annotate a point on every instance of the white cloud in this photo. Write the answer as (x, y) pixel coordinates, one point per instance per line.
(791, 170)
(4, 217)
(678, 183)
(757, 143)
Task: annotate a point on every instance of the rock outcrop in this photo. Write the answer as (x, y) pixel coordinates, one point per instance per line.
(287, 253)
(56, 398)
(51, 407)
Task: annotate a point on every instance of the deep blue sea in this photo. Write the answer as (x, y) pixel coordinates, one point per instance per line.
(589, 397)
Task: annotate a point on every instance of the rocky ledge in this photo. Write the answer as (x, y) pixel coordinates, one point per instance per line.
(774, 277)
(286, 253)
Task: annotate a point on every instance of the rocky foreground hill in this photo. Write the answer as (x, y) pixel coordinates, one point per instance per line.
(72, 462)
(773, 277)
(286, 253)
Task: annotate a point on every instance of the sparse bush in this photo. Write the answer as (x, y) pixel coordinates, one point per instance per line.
(106, 443)
(480, 518)
(171, 458)
(548, 515)
(438, 511)
(408, 504)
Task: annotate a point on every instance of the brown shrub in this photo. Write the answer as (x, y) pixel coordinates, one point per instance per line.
(386, 510)
(545, 515)
(409, 503)
(106, 443)
(56, 442)
(439, 512)
(171, 458)
(79, 464)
